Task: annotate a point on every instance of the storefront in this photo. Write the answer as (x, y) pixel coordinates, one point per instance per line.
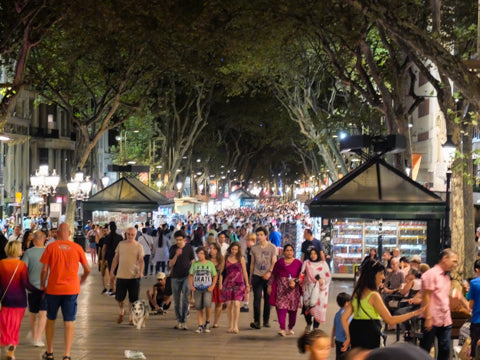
(378, 206)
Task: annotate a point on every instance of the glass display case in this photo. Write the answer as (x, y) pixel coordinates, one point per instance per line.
(352, 240)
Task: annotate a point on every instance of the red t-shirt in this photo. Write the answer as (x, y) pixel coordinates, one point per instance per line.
(63, 258)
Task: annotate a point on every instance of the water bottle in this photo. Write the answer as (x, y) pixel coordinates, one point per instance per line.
(289, 277)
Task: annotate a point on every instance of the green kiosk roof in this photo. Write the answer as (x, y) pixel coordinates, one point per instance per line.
(376, 190)
(127, 195)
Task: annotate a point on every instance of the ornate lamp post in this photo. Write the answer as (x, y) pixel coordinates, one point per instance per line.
(44, 185)
(448, 154)
(79, 189)
(105, 180)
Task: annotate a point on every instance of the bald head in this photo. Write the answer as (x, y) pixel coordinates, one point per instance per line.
(39, 238)
(63, 232)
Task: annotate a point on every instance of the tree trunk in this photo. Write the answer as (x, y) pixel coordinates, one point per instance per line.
(468, 219)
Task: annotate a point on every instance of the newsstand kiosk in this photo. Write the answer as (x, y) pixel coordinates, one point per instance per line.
(378, 206)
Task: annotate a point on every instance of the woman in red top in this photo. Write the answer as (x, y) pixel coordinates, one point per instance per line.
(13, 283)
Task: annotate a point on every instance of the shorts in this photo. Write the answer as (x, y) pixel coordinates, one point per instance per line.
(130, 285)
(36, 301)
(68, 303)
(92, 245)
(203, 299)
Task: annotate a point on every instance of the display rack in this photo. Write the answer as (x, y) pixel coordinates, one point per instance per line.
(352, 240)
(412, 239)
(347, 238)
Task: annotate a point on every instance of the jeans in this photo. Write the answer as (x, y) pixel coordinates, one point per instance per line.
(160, 265)
(146, 261)
(259, 286)
(181, 291)
(443, 334)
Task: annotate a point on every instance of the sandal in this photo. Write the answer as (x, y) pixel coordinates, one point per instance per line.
(10, 352)
(47, 356)
(67, 358)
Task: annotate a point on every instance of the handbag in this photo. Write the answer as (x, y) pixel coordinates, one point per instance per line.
(11, 279)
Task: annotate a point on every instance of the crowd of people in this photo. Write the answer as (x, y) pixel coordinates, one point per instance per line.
(229, 262)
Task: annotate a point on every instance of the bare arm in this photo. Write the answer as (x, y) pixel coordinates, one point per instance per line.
(405, 290)
(426, 302)
(190, 281)
(274, 261)
(244, 273)
(346, 325)
(86, 272)
(252, 266)
(377, 302)
(43, 276)
(114, 265)
(140, 264)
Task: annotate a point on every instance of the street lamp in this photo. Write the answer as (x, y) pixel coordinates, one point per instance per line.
(79, 189)
(179, 188)
(44, 185)
(448, 155)
(105, 180)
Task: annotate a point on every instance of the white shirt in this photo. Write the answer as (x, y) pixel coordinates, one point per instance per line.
(14, 237)
(147, 243)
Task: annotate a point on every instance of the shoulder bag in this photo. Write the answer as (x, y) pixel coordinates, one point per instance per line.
(11, 279)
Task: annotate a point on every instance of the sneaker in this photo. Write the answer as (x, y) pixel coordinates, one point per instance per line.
(308, 328)
(104, 291)
(244, 309)
(206, 327)
(112, 294)
(199, 329)
(38, 343)
(185, 326)
(290, 332)
(255, 325)
(179, 326)
(281, 333)
(266, 324)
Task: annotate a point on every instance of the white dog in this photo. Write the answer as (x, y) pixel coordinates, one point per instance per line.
(139, 313)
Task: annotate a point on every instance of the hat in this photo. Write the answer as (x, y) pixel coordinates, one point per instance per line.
(161, 275)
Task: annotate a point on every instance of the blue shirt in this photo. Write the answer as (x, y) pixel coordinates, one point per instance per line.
(337, 322)
(276, 238)
(474, 294)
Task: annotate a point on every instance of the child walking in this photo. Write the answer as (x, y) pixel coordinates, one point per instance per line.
(202, 279)
(338, 334)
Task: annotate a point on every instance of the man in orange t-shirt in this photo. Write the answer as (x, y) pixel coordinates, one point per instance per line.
(60, 262)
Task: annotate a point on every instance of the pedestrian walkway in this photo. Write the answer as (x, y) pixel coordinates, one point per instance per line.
(98, 336)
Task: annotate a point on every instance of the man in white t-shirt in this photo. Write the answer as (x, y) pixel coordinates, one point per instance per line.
(17, 234)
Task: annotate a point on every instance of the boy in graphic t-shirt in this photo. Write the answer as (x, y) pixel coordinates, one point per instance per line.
(202, 279)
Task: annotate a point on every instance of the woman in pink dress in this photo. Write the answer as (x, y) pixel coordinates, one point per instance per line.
(235, 284)
(284, 289)
(315, 281)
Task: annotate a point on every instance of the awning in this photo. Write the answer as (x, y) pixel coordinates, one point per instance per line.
(377, 190)
(127, 195)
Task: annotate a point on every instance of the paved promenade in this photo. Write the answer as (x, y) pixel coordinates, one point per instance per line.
(98, 336)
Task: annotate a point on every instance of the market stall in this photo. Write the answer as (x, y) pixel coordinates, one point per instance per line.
(127, 201)
(378, 206)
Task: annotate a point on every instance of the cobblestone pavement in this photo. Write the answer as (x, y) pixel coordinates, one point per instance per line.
(98, 336)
